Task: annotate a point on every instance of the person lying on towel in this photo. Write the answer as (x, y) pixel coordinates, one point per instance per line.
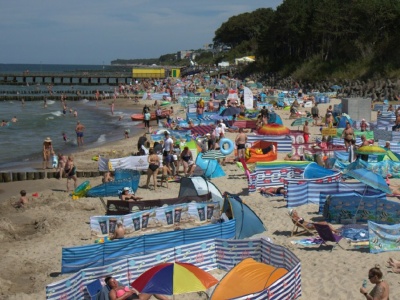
(273, 191)
(310, 225)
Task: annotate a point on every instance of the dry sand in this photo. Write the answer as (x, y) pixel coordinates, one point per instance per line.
(31, 238)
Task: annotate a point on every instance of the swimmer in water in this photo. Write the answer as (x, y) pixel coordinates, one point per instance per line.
(64, 135)
(14, 119)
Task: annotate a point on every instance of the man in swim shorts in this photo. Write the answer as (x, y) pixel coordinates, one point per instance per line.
(348, 135)
(79, 133)
(241, 140)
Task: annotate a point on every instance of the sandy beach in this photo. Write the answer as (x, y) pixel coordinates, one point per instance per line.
(32, 238)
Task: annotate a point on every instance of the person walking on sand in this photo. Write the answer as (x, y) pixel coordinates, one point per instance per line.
(79, 133)
(240, 141)
(47, 150)
(306, 132)
(70, 172)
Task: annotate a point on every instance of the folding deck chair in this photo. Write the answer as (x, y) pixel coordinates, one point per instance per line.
(297, 225)
(326, 235)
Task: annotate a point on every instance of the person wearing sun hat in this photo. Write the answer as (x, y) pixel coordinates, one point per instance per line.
(47, 150)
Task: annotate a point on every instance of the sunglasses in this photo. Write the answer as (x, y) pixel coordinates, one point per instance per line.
(370, 276)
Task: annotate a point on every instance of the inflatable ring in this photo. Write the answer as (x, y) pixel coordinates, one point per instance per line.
(231, 146)
(82, 189)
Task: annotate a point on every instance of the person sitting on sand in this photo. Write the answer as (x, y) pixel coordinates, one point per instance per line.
(310, 225)
(121, 292)
(23, 200)
(119, 232)
(126, 196)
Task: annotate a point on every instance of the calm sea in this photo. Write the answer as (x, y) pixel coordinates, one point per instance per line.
(21, 142)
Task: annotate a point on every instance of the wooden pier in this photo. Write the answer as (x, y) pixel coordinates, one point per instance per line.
(66, 78)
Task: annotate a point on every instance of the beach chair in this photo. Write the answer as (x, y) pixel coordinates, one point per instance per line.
(326, 235)
(94, 288)
(298, 228)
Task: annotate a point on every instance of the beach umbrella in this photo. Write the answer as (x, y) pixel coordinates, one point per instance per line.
(301, 121)
(371, 150)
(273, 129)
(371, 179)
(336, 87)
(213, 154)
(230, 111)
(173, 279)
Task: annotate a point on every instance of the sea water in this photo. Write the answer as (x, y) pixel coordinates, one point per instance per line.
(21, 143)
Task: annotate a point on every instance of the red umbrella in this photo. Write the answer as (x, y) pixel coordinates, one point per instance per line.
(273, 129)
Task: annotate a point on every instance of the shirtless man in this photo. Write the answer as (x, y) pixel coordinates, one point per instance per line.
(14, 119)
(79, 133)
(241, 140)
(119, 232)
(348, 135)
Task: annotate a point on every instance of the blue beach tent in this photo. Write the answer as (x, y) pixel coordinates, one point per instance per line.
(247, 222)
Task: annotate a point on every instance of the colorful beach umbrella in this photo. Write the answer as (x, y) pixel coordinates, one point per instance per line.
(273, 129)
(213, 154)
(173, 279)
(370, 178)
(301, 121)
(371, 150)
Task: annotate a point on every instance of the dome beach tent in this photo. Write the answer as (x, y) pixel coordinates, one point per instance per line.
(246, 278)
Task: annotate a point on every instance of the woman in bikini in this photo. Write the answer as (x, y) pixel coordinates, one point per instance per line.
(70, 172)
(123, 292)
(154, 164)
(381, 288)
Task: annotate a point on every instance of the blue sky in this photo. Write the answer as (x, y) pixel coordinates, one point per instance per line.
(97, 31)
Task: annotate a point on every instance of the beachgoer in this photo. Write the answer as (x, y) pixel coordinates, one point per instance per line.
(188, 162)
(310, 225)
(348, 135)
(363, 125)
(70, 172)
(79, 133)
(315, 113)
(273, 191)
(154, 165)
(107, 177)
(240, 141)
(168, 148)
(146, 120)
(158, 114)
(14, 119)
(166, 172)
(306, 132)
(126, 133)
(75, 113)
(112, 107)
(219, 132)
(211, 140)
(387, 145)
(47, 150)
(126, 196)
(177, 158)
(119, 232)
(62, 160)
(121, 292)
(64, 135)
(22, 201)
(381, 288)
(365, 142)
(141, 141)
(352, 151)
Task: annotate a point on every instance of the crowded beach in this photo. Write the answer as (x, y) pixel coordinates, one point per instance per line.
(290, 156)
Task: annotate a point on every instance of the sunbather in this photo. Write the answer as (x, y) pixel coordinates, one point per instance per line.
(310, 225)
(273, 191)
